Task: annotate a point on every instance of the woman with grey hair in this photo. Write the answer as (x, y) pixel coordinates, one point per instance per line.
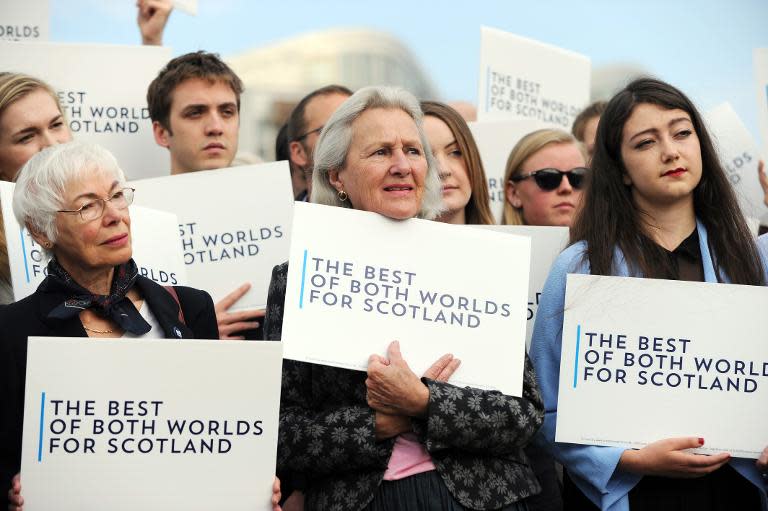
(389, 439)
(74, 201)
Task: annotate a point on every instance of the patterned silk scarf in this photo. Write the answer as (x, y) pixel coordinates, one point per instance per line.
(116, 305)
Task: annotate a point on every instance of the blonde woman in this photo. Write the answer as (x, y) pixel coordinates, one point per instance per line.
(31, 119)
(545, 174)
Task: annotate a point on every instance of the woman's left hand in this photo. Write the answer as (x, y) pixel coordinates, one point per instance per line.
(276, 495)
(394, 389)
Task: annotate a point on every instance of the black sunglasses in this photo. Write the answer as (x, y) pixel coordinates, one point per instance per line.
(550, 179)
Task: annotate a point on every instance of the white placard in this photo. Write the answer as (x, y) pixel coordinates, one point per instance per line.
(153, 234)
(739, 155)
(761, 85)
(524, 79)
(675, 359)
(24, 20)
(196, 430)
(754, 225)
(546, 245)
(103, 91)
(495, 140)
(234, 225)
(358, 281)
(188, 6)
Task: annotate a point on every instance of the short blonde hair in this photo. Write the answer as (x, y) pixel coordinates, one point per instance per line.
(529, 145)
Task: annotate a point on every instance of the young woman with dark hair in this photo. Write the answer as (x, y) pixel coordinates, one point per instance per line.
(659, 205)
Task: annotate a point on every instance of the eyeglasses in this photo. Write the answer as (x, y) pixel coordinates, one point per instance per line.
(305, 135)
(93, 210)
(550, 179)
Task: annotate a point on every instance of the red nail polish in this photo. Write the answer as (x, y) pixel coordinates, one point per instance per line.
(701, 441)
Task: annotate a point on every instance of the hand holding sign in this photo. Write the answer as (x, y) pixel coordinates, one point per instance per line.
(15, 500)
(276, 495)
(152, 18)
(443, 369)
(393, 388)
(763, 180)
(233, 322)
(668, 458)
(762, 461)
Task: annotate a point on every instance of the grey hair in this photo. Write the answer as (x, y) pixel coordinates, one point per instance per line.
(336, 137)
(42, 182)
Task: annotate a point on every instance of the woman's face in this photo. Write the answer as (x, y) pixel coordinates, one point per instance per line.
(542, 207)
(661, 154)
(457, 189)
(28, 126)
(385, 168)
(83, 247)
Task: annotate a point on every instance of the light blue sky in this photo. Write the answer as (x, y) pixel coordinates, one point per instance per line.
(702, 46)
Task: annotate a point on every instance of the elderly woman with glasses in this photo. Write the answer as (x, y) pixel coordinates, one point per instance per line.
(73, 200)
(389, 439)
(545, 175)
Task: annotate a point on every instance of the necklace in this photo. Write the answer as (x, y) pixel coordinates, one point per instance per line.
(98, 331)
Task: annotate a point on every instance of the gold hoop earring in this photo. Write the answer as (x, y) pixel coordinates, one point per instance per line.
(343, 196)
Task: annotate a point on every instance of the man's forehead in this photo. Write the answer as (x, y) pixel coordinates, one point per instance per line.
(202, 91)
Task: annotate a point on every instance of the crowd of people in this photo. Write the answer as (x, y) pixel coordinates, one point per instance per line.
(638, 181)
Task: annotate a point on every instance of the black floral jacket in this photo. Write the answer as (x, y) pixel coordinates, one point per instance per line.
(327, 432)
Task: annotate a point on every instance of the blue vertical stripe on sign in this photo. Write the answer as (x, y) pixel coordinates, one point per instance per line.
(24, 251)
(42, 428)
(303, 276)
(487, 87)
(576, 360)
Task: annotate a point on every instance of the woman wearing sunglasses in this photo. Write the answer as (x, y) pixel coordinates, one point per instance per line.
(659, 205)
(543, 180)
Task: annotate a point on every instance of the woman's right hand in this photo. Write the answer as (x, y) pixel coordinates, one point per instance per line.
(668, 458)
(15, 500)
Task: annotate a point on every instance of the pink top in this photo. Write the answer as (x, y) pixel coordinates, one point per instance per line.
(409, 457)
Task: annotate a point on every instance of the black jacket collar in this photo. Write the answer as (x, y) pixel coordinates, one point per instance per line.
(164, 307)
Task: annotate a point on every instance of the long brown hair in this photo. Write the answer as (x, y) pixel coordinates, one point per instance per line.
(609, 218)
(478, 209)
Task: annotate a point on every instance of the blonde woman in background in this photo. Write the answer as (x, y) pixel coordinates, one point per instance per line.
(31, 119)
(545, 174)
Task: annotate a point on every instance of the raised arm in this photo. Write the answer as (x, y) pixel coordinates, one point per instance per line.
(152, 18)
